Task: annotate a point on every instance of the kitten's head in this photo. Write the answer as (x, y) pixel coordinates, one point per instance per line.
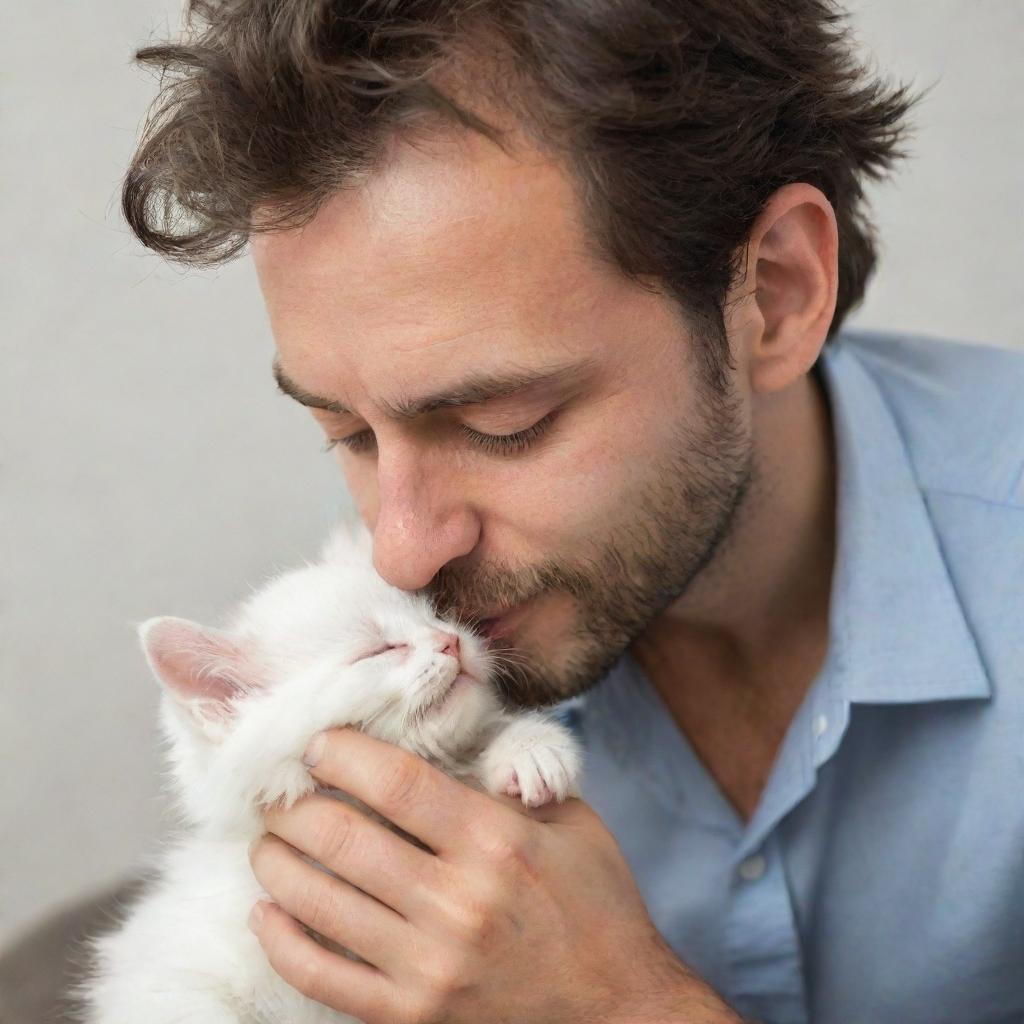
(328, 644)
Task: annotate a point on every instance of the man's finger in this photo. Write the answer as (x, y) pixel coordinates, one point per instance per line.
(330, 906)
(404, 788)
(359, 990)
(359, 850)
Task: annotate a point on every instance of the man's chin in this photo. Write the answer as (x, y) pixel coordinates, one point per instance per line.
(527, 675)
(532, 676)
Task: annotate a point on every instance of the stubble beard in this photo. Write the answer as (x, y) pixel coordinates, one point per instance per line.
(683, 517)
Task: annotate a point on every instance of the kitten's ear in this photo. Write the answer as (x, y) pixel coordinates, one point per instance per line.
(350, 541)
(205, 670)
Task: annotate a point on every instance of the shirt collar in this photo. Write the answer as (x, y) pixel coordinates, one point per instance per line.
(898, 632)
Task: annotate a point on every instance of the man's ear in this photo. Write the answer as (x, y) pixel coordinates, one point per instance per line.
(206, 671)
(781, 310)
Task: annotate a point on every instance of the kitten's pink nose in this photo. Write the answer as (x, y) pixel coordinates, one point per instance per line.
(450, 642)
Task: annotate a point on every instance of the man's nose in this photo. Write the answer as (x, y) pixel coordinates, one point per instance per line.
(414, 536)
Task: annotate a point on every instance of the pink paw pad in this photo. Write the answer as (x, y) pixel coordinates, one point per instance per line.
(544, 797)
(512, 787)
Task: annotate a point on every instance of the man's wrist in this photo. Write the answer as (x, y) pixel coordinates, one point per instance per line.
(703, 1006)
(673, 993)
(695, 1013)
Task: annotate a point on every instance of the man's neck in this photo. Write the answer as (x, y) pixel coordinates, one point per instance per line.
(734, 656)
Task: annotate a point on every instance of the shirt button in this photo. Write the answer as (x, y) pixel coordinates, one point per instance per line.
(820, 726)
(752, 868)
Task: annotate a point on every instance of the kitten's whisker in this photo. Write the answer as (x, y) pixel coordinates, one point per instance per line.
(313, 687)
(513, 657)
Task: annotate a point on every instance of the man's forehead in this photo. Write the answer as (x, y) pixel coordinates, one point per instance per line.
(383, 297)
(423, 196)
(437, 242)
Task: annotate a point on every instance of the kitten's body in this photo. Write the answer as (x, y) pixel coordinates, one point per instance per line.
(307, 652)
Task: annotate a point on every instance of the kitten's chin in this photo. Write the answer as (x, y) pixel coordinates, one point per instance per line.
(467, 707)
(463, 682)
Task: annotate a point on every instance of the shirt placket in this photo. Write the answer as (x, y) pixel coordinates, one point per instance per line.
(762, 938)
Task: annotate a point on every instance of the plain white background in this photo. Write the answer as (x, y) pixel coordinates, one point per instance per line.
(148, 465)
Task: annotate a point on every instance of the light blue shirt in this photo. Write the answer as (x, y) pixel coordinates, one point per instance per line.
(881, 877)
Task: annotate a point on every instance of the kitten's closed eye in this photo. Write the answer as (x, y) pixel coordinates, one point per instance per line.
(280, 673)
(382, 649)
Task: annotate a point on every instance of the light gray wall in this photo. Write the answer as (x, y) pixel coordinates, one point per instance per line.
(148, 466)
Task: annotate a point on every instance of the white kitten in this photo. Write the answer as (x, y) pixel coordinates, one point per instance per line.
(330, 644)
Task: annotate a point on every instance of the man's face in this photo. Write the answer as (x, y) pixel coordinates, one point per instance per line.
(456, 268)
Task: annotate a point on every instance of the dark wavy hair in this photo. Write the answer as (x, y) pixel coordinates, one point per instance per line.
(678, 119)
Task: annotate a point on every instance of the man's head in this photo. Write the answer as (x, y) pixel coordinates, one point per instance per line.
(646, 213)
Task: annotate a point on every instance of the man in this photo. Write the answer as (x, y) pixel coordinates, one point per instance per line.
(562, 283)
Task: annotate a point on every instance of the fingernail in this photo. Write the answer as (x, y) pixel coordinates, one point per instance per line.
(256, 915)
(315, 750)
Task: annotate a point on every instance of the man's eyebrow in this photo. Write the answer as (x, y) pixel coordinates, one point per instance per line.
(481, 387)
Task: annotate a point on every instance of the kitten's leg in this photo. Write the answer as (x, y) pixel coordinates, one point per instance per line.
(278, 746)
(531, 757)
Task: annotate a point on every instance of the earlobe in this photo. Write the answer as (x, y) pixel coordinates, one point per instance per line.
(796, 272)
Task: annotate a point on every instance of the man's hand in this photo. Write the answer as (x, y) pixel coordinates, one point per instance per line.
(518, 916)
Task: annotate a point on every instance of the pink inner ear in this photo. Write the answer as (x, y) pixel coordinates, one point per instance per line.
(198, 665)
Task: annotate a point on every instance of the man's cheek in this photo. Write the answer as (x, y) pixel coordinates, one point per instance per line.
(552, 620)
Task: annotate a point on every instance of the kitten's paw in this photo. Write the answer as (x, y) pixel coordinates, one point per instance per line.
(238, 802)
(534, 759)
(287, 782)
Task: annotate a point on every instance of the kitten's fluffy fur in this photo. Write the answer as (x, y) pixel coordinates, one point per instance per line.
(309, 651)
